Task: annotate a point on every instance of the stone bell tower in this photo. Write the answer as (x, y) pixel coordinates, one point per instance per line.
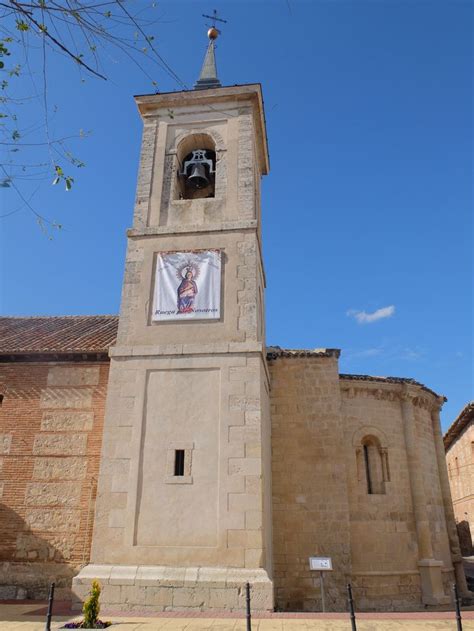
(183, 512)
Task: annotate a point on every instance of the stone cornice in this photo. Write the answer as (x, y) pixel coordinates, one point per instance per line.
(274, 352)
(224, 226)
(408, 381)
(177, 350)
(390, 389)
(42, 357)
(465, 417)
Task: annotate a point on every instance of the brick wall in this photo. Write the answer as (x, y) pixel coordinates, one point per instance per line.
(51, 422)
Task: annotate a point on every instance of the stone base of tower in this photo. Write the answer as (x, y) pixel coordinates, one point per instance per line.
(160, 588)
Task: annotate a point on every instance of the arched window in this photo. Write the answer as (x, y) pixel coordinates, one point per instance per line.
(196, 176)
(374, 465)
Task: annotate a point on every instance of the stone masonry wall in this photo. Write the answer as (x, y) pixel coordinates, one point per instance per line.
(384, 545)
(460, 461)
(310, 502)
(385, 549)
(434, 500)
(50, 437)
(322, 505)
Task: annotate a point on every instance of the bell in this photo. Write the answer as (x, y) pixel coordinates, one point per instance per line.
(198, 177)
(199, 165)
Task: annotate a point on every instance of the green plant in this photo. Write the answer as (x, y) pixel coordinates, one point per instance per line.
(91, 607)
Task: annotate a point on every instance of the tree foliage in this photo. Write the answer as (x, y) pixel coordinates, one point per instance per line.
(88, 35)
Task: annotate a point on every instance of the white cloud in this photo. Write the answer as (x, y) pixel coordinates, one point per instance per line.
(370, 352)
(363, 317)
(362, 353)
(411, 353)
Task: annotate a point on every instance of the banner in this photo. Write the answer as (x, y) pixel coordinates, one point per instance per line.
(187, 285)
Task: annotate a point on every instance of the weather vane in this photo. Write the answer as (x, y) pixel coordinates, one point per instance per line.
(213, 31)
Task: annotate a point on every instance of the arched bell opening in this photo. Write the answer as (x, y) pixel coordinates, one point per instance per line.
(196, 176)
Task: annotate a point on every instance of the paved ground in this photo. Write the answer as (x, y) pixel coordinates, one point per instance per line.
(31, 617)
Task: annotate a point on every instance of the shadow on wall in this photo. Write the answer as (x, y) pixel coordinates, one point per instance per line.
(29, 563)
(465, 538)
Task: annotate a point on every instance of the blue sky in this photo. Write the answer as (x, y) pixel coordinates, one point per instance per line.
(368, 206)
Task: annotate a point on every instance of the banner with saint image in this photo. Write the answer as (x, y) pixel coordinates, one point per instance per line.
(187, 285)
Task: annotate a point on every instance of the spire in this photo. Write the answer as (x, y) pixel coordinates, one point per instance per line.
(208, 77)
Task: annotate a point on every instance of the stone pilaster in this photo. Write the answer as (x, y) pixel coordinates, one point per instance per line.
(430, 569)
(448, 502)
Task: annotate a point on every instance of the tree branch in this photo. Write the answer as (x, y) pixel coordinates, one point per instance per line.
(53, 39)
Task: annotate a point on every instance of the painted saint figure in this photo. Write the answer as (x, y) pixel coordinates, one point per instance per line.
(187, 291)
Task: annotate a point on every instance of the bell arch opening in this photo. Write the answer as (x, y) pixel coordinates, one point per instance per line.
(196, 175)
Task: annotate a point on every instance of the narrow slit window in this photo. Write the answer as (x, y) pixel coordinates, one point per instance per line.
(179, 462)
(367, 470)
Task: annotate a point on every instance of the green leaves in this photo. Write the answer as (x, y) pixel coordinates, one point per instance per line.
(3, 49)
(91, 607)
(4, 52)
(59, 174)
(23, 26)
(68, 180)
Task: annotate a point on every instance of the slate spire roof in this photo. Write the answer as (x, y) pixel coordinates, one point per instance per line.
(208, 77)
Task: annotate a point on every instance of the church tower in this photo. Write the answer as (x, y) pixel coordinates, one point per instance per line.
(183, 512)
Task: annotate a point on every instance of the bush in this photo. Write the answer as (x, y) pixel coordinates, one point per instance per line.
(91, 607)
(90, 610)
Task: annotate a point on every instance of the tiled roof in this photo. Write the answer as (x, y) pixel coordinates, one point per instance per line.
(406, 380)
(57, 334)
(464, 418)
(273, 352)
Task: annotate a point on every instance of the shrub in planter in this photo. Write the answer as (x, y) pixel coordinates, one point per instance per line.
(91, 607)
(90, 610)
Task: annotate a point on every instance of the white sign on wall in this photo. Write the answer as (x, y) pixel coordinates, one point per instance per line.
(187, 285)
(320, 564)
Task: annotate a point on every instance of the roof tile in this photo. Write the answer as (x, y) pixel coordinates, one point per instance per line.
(57, 334)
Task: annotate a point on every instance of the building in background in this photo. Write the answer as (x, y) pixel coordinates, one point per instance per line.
(172, 455)
(459, 445)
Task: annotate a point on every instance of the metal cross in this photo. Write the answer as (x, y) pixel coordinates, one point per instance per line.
(214, 18)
